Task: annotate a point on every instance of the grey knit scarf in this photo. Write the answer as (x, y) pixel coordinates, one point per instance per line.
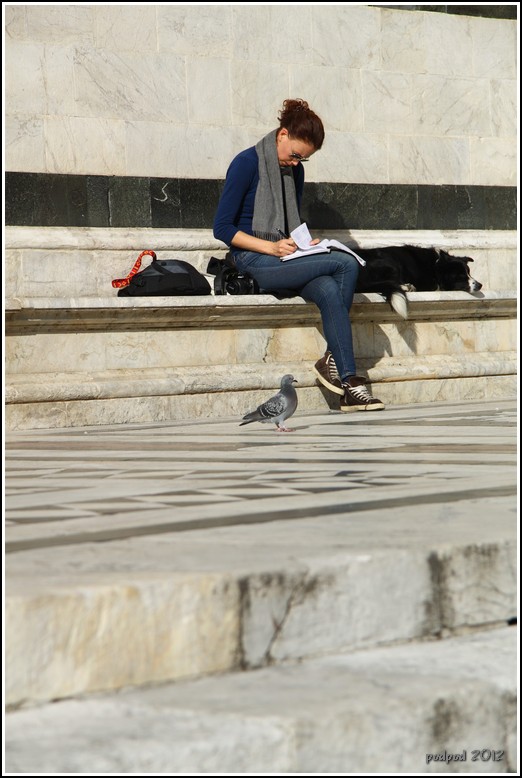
(269, 206)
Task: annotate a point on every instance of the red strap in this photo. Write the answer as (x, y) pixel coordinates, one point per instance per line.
(119, 282)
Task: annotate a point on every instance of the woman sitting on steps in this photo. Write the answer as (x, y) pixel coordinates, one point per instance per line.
(257, 211)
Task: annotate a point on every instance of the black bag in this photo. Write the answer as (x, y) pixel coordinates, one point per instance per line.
(163, 277)
(228, 280)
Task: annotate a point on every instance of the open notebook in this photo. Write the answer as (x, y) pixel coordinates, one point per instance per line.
(302, 238)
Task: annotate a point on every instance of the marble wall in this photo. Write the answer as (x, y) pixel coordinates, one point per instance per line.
(407, 97)
(75, 263)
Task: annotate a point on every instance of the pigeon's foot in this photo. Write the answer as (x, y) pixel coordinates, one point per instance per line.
(284, 429)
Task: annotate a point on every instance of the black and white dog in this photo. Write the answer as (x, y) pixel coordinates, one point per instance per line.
(394, 270)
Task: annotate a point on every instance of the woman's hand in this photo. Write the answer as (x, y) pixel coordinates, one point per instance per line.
(282, 248)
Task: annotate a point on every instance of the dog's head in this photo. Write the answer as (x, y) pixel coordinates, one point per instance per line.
(453, 274)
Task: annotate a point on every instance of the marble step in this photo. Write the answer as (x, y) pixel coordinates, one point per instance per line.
(199, 380)
(157, 595)
(437, 706)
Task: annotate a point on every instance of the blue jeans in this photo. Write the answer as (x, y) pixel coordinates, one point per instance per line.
(328, 280)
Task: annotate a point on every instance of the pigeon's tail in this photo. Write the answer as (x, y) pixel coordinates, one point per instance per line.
(249, 418)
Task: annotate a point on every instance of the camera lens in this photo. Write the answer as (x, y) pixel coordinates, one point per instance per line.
(234, 283)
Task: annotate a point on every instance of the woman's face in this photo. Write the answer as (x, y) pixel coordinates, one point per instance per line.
(292, 151)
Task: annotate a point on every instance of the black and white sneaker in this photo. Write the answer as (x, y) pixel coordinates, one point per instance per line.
(357, 397)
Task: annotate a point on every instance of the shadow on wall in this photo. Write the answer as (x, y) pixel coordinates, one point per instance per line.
(321, 216)
(336, 206)
(359, 206)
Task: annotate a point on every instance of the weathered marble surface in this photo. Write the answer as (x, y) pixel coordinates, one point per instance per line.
(387, 710)
(81, 262)
(420, 98)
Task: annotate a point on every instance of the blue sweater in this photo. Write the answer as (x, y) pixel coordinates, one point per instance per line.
(236, 206)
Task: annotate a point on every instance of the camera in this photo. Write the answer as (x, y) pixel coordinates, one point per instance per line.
(234, 282)
(228, 280)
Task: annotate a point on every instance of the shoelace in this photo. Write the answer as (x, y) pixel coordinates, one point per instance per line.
(332, 368)
(360, 392)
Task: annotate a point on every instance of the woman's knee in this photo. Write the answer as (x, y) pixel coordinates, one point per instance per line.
(322, 290)
(348, 260)
(347, 264)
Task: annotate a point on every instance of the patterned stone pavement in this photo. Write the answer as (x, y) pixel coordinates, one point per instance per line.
(70, 486)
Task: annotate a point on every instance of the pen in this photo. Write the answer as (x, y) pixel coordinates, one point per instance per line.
(282, 234)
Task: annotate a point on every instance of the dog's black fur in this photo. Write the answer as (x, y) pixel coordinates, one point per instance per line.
(394, 270)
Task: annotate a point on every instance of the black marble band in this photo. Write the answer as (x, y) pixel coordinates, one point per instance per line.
(51, 200)
(486, 11)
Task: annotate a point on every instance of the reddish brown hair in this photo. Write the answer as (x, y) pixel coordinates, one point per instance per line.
(301, 122)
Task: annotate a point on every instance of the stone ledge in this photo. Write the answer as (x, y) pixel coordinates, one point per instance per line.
(240, 311)
(151, 382)
(455, 345)
(233, 405)
(118, 238)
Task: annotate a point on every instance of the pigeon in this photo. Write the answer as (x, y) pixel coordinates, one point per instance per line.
(278, 408)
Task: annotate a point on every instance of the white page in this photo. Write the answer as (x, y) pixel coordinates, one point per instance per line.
(301, 236)
(335, 244)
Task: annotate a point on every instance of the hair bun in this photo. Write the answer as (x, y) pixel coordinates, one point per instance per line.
(295, 105)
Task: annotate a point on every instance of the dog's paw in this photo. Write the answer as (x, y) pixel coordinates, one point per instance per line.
(399, 304)
(408, 288)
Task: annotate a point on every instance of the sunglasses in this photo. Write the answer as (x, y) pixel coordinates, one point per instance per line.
(299, 158)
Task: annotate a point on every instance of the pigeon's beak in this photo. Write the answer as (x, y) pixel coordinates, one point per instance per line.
(295, 381)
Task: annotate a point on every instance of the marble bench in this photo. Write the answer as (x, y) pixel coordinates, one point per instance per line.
(79, 355)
